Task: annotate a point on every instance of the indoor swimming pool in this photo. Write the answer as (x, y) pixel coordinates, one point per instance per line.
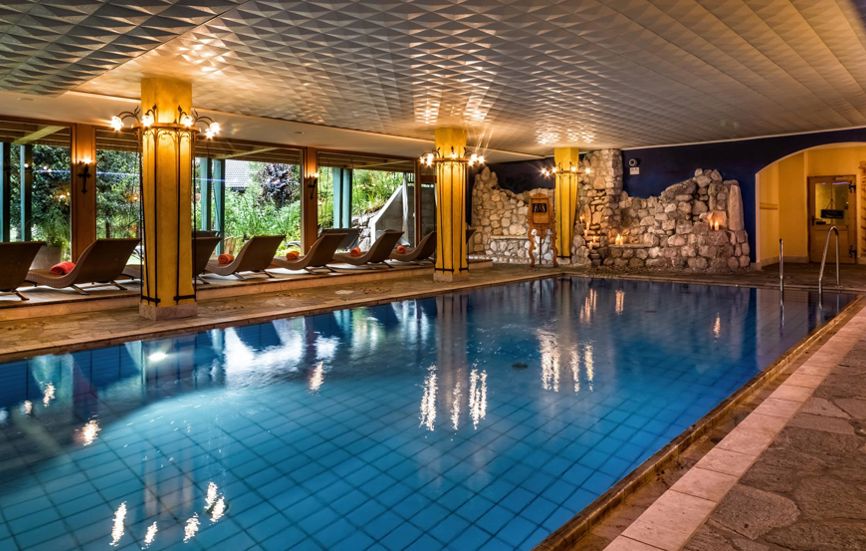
(471, 420)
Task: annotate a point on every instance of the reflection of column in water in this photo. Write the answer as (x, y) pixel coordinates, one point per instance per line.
(449, 384)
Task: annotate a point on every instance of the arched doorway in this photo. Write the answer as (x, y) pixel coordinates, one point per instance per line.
(800, 196)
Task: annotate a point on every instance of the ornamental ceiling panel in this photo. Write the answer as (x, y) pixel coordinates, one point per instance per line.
(523, 75)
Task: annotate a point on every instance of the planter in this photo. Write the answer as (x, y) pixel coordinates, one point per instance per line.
(47, 257)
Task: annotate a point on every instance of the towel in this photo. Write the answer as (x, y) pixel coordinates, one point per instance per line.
(63, 268)
(225, 258)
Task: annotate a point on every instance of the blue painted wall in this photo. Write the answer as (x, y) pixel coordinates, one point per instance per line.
(739, 160)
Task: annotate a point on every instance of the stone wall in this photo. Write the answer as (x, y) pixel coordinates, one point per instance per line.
(675, 230)
(694, 225)
(500, 219)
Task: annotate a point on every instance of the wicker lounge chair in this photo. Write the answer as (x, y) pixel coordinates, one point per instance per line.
(425, 249)
(320, 255)
(256, 255)
(378, 253)
(15, 261)
(101, 263)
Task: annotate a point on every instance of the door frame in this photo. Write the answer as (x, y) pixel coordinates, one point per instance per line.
(853, 214)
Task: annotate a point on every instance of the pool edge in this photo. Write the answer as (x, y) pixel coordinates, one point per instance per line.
(570, 533)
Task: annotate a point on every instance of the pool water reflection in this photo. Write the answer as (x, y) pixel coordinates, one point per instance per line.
(483, 418)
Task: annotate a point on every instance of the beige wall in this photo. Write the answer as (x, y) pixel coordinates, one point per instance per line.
(783, 200)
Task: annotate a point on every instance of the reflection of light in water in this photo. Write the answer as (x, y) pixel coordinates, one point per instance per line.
(589, 303)
(89, 432)
(157, 356)
(4, 416)
(150, 535)
(455, 406)
(326, 347)
(477, 396)
(27, 407)
(117, 529)
(574, 358)
(428, 400)
(190, 529)
(211, 495)
(620, 301)
(48, 394)
(219, 509)
(549, 361)
(717, 326)
(244, 365)
(317, 377)
(589, 364)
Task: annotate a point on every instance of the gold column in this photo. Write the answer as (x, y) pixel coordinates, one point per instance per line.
(566, 196)
(451, 263)
(166, 185)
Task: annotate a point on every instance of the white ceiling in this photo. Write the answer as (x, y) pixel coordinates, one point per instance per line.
(523, 75)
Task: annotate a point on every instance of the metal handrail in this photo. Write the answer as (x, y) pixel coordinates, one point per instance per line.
(832, 230)
(782, 266)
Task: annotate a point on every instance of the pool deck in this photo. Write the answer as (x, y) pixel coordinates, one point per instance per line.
(785, 467)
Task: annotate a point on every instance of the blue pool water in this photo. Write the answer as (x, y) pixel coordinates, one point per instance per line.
(483, 419)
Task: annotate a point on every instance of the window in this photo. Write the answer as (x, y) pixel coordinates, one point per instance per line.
(117, 185)
(35, 190)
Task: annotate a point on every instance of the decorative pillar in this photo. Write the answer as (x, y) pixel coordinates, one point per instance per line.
(310, 198)
(166, 189)
(451, 263)
(83, 188)
(566, 196)
(342, 179)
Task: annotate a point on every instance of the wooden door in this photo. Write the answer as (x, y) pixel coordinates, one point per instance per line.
(832, 202)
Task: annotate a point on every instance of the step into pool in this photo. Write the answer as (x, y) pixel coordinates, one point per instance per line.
(472, 420)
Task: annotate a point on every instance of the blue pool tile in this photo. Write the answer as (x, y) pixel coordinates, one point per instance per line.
(382, 525)
(449, 528)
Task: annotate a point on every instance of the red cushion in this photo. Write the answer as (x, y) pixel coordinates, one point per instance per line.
(225, 258)
(356, 251)
(292, 255)
(63, 268)
(401, 249)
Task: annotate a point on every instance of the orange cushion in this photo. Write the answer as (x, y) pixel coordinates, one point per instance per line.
(225, 258)
(292, 255)
(356, 251)
(401, 249)
(63, 268)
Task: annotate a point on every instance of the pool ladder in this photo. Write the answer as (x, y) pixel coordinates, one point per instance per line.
(832, 231)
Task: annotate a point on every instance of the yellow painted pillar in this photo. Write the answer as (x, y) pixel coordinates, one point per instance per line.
(451, 263)
(566, 196)
(167, 171)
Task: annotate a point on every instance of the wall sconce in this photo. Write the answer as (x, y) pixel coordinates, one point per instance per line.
(84, 172)
(312, 183)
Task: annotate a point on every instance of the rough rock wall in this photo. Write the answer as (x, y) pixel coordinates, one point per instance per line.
(675, 230)
(678, 229)
(500, 219)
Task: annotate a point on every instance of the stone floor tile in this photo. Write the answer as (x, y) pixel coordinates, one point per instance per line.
(623, 543)
(822, 406)
(792, 392)
(726, 461)
(705, 483)
(670, 521)
(778, 408)
(822, 423)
